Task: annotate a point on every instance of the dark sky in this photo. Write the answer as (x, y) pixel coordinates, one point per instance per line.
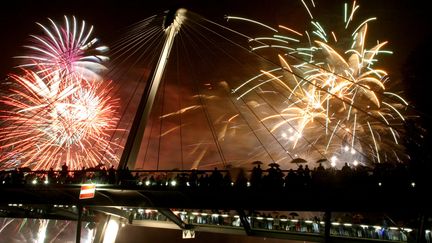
(403, 23)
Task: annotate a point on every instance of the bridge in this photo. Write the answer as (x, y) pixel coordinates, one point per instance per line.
(177, 201)
(233, 207)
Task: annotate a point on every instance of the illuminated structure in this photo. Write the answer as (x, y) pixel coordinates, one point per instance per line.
(122, 200)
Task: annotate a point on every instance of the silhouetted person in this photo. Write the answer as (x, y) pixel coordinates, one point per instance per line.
(16, 177)
(80, 176)
(215, 178)
(193, 178)
(300, 170)
(320, 168)
(290, 179)
(256, 176)
(51, 175)
(128, 174)
(111, 175)
(125, 176)
(306, 171)
(300, 176)
(307, 176)
(346, 169)
(63, 173)
(241, 181)
(103, 175)
(227, 180)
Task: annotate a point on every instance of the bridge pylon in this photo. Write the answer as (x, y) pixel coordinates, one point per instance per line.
(136, 133)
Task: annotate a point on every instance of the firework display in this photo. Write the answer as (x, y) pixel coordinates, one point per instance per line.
(300, 115)
(324, 97)
(55, 112)
(336, 101)
(68, 49)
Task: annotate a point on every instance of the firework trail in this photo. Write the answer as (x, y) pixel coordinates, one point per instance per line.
(334, 96)
(68, 49)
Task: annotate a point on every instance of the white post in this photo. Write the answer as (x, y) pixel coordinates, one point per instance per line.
(136, 133)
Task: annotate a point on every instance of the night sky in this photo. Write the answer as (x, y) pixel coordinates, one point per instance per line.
(402, 23)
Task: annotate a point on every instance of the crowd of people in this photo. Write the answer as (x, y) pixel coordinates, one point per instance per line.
(383, 175)
(271, 178)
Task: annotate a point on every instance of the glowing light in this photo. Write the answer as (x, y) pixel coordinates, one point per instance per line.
(67, 49)
(173, 183)
(56, 112)
(309, 12)
(289, 29)
(252, 21)
(287, 38)
(407, 229)
(111, 231)
(333, 160)
(42, 230)
(89, 238)
(50, 125)
(336, 90)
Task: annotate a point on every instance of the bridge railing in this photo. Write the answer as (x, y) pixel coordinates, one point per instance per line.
(209, 181)
(264, 179)
(283, 223)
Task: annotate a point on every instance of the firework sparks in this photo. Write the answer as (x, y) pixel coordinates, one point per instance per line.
(334, 95)
(55, 113)
(67, 49)
(41, 230)
(47, 126)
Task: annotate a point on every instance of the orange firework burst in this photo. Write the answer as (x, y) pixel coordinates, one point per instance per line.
(336, 99)
(47, 125)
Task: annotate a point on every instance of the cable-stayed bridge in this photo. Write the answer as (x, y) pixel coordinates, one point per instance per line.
(183, 203)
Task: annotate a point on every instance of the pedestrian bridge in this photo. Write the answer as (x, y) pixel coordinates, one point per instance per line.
(308, 213)
(306, 208)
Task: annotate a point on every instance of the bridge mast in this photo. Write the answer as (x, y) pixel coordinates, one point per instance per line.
(136, 133)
